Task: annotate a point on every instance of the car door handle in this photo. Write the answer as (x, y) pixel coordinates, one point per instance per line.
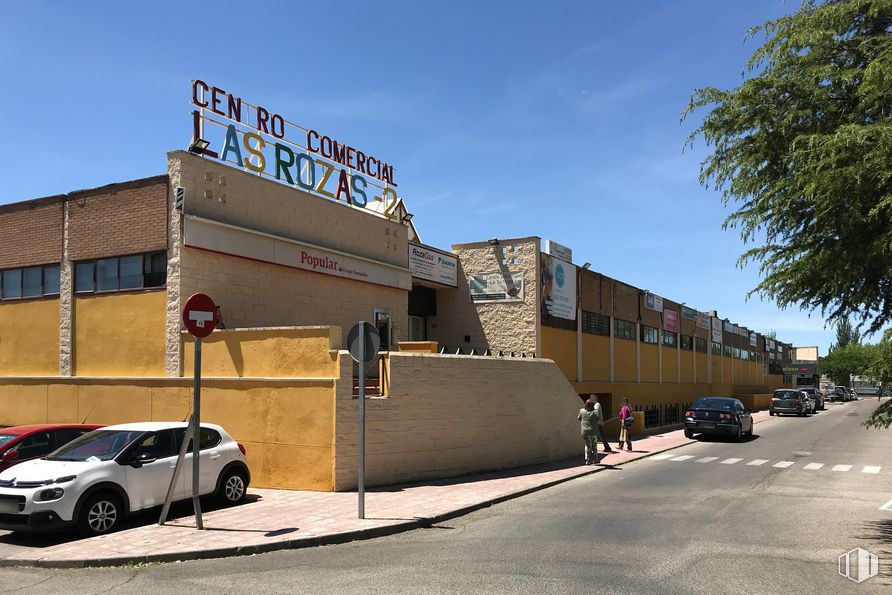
(215, 455)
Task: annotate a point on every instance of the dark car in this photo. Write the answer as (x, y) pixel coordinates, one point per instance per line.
(816, 396)
(23, 443)
(789, 400)
(718, 415)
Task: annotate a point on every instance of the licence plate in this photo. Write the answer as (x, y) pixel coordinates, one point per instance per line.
(9, 506)
(705, 425)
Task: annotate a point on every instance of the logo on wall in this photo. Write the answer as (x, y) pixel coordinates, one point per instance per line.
(257, 140)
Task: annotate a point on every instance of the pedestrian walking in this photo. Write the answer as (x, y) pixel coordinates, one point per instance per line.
(625, 422)
(588, 422)
(599, 425)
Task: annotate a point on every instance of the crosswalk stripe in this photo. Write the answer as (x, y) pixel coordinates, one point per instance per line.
(783, 464)
(730, 461)
(683, 458)
(758, 462)
(842, 467)
(886, 505)
(707, 460)
(662, 457)
(813, 466)
(870, 469)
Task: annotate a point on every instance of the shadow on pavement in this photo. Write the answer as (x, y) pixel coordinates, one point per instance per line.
(709, 438)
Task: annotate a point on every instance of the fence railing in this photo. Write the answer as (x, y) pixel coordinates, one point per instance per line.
(664, 414)
(485, 353)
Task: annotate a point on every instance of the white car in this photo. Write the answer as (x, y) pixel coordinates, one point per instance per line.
(94, 481)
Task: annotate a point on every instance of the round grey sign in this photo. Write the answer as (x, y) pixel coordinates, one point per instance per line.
(372, 342)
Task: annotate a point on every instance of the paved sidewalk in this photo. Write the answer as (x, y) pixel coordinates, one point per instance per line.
(281, 519)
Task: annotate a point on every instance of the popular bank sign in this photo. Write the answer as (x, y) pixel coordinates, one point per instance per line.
(255, 138)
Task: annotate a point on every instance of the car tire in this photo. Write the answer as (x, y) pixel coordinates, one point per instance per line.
(100, 514)
(233, 487)
(771, 412)
(739, 435)
(688, 434)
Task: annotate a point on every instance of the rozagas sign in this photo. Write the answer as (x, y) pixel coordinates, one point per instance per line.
(264, 142)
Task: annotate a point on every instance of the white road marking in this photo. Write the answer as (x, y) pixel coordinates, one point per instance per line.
(661, 457)
(870, 469)
(758, 462)
(813, 466)
(842, 467)
(784, 464)
(730, 461)
(707, 460)
(886, 505)
(683, 458)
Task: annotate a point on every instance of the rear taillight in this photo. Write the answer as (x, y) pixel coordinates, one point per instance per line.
(689, 413)
(725, 417)
(242, 448)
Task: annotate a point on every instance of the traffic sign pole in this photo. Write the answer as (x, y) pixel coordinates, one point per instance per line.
(196, 433)
(361, 479)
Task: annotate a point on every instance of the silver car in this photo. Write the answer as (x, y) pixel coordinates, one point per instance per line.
(789, 400)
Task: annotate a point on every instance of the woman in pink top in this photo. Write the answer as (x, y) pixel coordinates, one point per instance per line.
(624, 413)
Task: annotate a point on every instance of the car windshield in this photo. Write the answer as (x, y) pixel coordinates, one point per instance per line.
(787, 394)
(4, 438)
(808, 391)
(714, 403)
(98, 445)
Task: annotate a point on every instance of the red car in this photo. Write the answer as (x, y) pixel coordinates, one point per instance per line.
(23, 443)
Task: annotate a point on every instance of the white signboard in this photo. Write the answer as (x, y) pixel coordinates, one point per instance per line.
(654, 302)
(558, 288)
(496, 287)
(558, 250)
(433, 265)
(228, 239)
(702, 320)
(753, 341)
(716, 330)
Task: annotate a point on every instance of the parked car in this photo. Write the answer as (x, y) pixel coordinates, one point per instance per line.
(841, 393)
(788, 400)
(23, 443)
(816, 396)
(93, 482)
(810, 405)
(853, 396)
(718, 415)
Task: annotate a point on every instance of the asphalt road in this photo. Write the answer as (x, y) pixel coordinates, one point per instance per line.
(721, 518)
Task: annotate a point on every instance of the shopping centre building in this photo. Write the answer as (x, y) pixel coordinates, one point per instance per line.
(296, 237)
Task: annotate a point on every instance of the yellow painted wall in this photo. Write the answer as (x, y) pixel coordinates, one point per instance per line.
(29, 338)
(650, 363)
(624, 361)
(287, 427)
(296, 352)
(702, 368)
(727, 371)
(670, 364)
(120, 334)
(595, 357)
(560, 345)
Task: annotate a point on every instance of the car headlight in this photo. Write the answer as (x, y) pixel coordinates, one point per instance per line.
(49, 494)
(66, 479)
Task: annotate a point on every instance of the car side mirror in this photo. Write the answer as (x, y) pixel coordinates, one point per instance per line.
(144, 458)
(10, 455)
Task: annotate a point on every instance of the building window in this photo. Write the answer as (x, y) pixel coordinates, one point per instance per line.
(595, 324)
(687, 343)
(558, 322)
(30, 282)
(729, 352)
(137, 271)
(736, 353)
(744, 354)
(623, 329)
(670, 339)
(700, 344)
(649, 334)
(716, 348)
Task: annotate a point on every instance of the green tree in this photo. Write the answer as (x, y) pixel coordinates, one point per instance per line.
(846, 334)
(802, 150)
(881, 369)
(853, 359)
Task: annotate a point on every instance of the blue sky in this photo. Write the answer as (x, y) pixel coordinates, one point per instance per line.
(503, 119)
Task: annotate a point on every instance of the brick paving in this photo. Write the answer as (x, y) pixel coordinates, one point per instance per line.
(283, 519)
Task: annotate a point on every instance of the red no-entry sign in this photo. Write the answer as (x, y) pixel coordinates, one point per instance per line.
(200, 315)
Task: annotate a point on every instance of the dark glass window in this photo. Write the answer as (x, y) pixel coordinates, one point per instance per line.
(12, 284)
(155, 269)
(687, 343)
(670, 339)
(649, 334)
(700, 344)
(32, 282)
(107, 274)
(716, 348)
(131, 273)
(51, 280)
(595, 324)
(83, 276)
(623, 329)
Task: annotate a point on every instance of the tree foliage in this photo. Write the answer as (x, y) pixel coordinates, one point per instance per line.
(846, 334)
(802, 149)
(881, 369)
(844, 362)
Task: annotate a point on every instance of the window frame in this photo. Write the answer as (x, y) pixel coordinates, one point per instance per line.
(147, 273)
(43, 293)
(650, 335)
(667, 335)
(623, 329)
(690, 342)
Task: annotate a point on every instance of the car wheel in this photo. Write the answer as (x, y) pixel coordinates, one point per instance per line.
(233, 487)
(771, 412)
(688, 434)
(100, 514)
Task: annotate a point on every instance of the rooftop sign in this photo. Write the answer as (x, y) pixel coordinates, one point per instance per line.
(264, 142)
